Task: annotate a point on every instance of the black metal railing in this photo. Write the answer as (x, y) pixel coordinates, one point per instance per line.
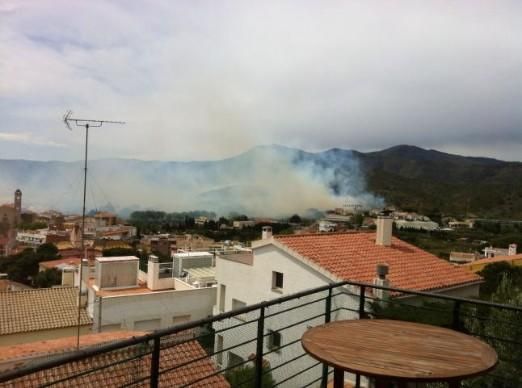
(259, 345)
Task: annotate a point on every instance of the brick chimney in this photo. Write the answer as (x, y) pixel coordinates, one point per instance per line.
(381, 280)
(266, 232)
(384, 229)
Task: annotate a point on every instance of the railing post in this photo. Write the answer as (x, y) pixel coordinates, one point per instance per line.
(456, 315)
(327, 318)
(362, 302)
(154, 363)
(362, 315)
(259, 348)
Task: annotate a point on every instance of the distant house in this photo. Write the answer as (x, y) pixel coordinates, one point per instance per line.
(67, 267)
(463, 257)
(490, 252)
(39, 314)
(243, 224)
(416, 225)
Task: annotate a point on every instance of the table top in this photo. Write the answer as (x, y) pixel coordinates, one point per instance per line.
(399, 350)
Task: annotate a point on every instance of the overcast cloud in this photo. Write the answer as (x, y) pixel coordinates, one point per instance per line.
(209, 79)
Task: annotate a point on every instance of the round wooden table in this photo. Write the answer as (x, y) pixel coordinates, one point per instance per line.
(398, 351)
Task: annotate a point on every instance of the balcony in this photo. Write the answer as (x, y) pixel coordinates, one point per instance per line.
(263, 348)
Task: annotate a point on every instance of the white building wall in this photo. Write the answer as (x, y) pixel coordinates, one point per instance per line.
(155, 310)
(253, 284)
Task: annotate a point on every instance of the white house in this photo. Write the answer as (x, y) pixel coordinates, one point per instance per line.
(121, 296)
(286, 264)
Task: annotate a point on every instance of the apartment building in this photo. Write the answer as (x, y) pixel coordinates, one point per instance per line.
(123, 297)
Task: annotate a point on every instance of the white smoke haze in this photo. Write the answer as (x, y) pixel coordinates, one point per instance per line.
(265, 181)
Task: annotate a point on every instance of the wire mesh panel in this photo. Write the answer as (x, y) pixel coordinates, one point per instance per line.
(260, 345)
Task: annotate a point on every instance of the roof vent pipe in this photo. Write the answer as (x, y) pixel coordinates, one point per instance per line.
(266, 232)
(384, 229)
(382, 281)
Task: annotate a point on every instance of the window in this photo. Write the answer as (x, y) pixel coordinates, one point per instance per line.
(234, 359)
(219, 349)
(277, 280)
(274, 340)
(237, 304)
(222, 292)
(147, 325)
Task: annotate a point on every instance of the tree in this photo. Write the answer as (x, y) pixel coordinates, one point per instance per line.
(494, 273)
(119, 252)
(48, 278)
(47, 251)
(295, 219)
(244, 377)
(502, 329)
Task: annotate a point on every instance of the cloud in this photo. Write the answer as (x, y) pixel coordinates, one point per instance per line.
(200, 80)
(27, 138)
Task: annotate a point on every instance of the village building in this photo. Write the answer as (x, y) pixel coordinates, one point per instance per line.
(286, 264)
(121, 296)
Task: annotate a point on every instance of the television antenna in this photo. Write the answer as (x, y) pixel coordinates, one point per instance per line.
(86, 123)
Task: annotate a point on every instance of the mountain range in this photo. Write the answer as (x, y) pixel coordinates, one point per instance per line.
(276, 180)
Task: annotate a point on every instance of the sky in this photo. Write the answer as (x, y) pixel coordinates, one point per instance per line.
(200, 80)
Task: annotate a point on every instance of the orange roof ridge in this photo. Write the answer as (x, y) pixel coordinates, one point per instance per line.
(354, 256)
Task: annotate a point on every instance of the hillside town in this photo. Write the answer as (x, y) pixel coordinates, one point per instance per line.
(125, 282)
(260, 194)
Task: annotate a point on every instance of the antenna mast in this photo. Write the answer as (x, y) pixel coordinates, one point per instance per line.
(86, 123)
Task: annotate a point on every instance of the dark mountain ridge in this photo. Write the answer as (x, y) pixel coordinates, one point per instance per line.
(266, 177)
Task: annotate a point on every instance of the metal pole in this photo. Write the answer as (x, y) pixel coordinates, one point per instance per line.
(84, 260)
(327, 318)
(154, 363)
(258, 382)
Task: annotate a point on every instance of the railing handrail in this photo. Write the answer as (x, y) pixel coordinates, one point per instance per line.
(82, 354)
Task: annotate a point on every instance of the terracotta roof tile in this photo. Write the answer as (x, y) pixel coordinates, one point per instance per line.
(40, 309)
(354, 256)
(127, 366)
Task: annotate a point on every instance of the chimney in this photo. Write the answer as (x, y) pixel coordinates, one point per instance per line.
(266, 232)
(381, 280)
(512, 250)
(384, 229)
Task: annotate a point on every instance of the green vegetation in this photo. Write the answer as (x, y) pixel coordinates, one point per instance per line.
(48, 278)
(243, 377)
(152, 221)
(32, 225)
(23, 267)
(441, 243)
(112, 252)
(431, 182)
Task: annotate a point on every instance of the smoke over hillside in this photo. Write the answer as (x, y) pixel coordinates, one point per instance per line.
(268, 180)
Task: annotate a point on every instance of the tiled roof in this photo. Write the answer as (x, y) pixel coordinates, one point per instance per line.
(60, 345)
(123, 367)
(354, 256)
(40, 309)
